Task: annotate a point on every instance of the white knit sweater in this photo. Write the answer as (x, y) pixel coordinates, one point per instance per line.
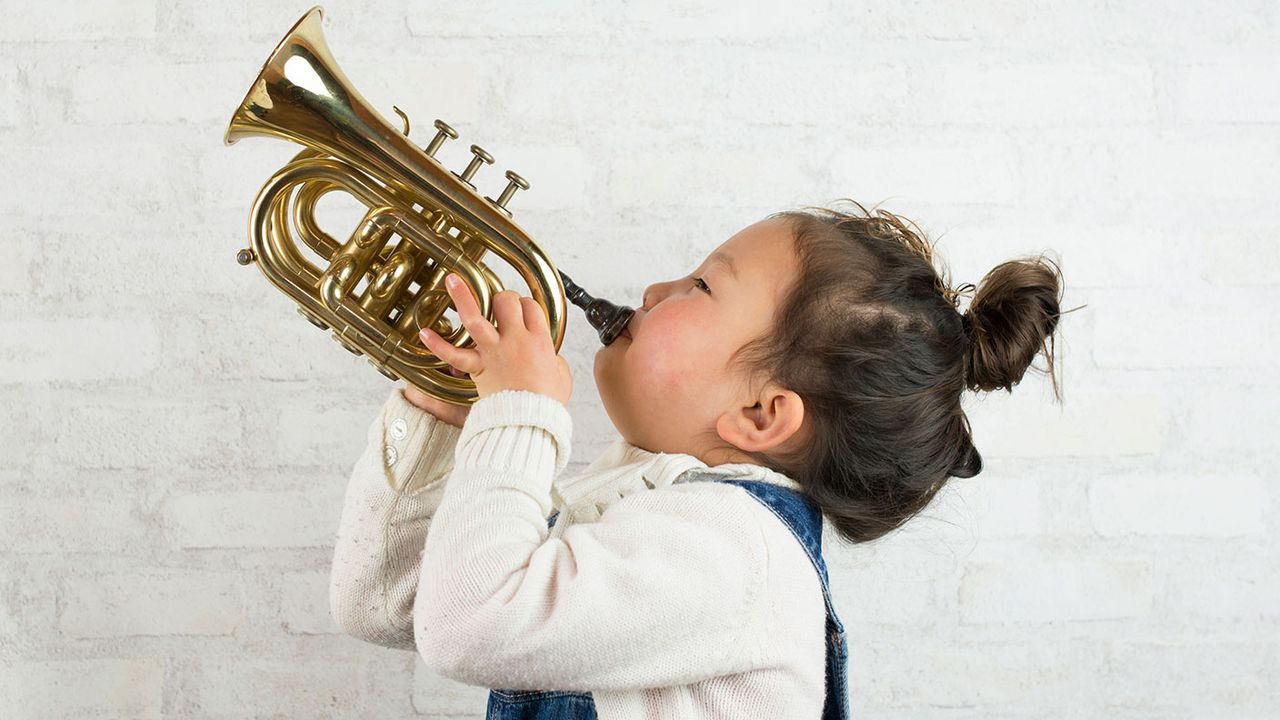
(664, 598)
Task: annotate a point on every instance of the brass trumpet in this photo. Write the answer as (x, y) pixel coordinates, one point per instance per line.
(422, 223)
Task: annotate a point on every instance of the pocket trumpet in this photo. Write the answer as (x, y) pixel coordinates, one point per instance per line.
(422, 222)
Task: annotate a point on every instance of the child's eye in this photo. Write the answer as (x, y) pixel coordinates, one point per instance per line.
(698, 282)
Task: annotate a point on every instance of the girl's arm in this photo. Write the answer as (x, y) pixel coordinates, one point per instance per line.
(667, 588)
(390, 499)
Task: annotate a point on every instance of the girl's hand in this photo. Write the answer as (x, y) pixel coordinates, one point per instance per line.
(454, 415)
(519, 357)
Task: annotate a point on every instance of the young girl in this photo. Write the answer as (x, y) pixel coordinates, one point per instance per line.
(809, 371)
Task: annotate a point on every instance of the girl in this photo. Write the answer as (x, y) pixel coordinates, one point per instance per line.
(809, 371)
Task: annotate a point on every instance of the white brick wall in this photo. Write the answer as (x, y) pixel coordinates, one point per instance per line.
(175, 440)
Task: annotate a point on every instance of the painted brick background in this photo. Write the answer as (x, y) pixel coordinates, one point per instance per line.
(176, 440)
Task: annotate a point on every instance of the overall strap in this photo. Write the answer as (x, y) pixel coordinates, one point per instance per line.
(805, 522)
(800, 516)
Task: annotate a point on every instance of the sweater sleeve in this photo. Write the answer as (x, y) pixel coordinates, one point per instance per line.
(391, 496)
(666, 588)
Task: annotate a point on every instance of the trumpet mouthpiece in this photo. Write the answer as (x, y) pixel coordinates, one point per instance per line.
(607, 318)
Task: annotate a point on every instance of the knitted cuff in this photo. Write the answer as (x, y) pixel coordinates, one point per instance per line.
(515, 411)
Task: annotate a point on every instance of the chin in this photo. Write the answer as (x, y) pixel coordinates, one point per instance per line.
(612, 401)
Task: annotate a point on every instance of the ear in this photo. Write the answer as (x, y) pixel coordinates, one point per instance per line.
(775, 418)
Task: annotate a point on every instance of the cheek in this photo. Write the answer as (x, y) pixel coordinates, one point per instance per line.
(672, 358)
(669, 356)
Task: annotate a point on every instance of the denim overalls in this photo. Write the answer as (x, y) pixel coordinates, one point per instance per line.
(805, 522)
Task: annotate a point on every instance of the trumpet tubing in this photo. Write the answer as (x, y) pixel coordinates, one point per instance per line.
(422, 222)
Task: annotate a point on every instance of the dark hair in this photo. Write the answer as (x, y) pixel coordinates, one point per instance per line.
(870, 337)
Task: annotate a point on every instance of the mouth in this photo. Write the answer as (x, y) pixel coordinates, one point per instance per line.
(626, 327)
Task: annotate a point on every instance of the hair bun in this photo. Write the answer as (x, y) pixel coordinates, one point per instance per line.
(966, 322)
(1013, 314)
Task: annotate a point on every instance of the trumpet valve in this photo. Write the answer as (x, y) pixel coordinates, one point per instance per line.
(385, 372)
(443, 132)
(347, 344)
(513, 181)
(313, 319)
(481, 156)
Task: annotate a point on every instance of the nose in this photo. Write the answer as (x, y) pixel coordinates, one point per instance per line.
(654, 292)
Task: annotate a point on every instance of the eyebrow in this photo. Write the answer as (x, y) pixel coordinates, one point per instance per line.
(728, 262)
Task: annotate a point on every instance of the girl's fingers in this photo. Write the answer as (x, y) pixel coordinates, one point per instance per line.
(534, 319)
(469, 311)
(462, 359)
(437, 345)
(506, 310)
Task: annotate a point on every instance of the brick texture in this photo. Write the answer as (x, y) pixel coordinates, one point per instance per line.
(175, 440)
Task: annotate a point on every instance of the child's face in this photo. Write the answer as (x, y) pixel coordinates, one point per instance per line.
(668, 388)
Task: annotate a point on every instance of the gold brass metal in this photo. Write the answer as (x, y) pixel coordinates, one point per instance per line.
(422, 223)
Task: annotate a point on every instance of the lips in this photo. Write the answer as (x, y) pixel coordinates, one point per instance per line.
(626, 329)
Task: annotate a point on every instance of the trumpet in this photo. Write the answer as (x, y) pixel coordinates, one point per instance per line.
(385, 283)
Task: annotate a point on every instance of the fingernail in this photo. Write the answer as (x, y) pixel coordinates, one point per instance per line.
(452, 280)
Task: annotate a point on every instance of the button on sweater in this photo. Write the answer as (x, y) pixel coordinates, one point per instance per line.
(664, 594)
